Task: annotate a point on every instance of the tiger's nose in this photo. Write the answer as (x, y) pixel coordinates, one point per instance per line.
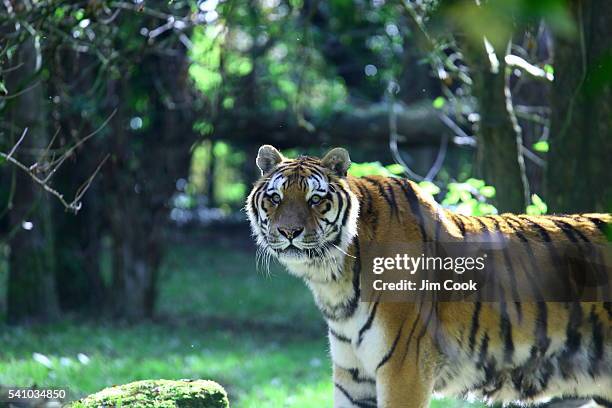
(290, 232)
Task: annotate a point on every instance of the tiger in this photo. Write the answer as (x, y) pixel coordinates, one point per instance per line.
(317, 220)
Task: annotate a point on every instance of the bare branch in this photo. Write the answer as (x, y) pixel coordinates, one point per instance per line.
(50, 168)
(535, 72)
(25, 131)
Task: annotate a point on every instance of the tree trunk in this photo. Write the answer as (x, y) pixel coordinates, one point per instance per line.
(578, 173)
(31, 288)
(142, 179)
(80, 286)
(499, 135)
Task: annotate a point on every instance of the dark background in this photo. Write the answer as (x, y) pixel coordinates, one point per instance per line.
(129, 129)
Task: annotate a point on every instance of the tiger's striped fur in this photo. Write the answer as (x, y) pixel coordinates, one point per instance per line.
(398, 354)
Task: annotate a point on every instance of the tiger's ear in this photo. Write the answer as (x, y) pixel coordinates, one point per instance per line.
(267, 158)
(337, 160)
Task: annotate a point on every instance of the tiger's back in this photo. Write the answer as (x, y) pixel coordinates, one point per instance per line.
(504, 351)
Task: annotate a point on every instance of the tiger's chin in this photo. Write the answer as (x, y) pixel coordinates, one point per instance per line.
(312, 264)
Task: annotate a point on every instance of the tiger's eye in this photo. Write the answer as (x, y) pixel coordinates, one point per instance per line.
(315, 199)
(276, 199)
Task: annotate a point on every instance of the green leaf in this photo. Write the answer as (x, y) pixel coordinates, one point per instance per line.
(476, 183)
(539, 203)
(549, 69)
(488, 191)
(541, 146)
(485, 209)
(532, 210)
(439, 102)
(79, 14)
(429, 188)
(395, 168)
(465, 196)
(452, 198)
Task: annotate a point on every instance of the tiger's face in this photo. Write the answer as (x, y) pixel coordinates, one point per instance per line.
(302, 211)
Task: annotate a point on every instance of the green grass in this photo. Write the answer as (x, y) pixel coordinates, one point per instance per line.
(259, 336)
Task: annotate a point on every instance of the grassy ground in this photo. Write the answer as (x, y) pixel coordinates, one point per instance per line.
(259, 336)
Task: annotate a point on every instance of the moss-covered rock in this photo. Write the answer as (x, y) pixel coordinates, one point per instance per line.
(158, 394)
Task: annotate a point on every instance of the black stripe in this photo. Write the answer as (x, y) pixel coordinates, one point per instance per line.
(340, 207)
(608, 307)
(394, 208)
(368, 323)
(412, 329)
(360, 380)
(414, 203)
(347, 308)
(541, 328)
(575, 230)
(459, 223)
(438, 230)
(368, 403)
(572, 341)
(563, 226)
(508, 262)
(430, 315)
(354, 301)
(340, 337)
(597, 350)
(541, 230)
(391, 350)
(390, 200)
(474, 326)
(534, 284)
(505, 329)
(603, 402)
(554, 255)
(484, 349)
(347, 210)
(541, 323)
(485, 229)
(367, 197)
(601, 225)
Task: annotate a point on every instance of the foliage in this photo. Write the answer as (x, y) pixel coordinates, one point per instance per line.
(216, 169)
(537, 206)
(374, 169)
(468, 198)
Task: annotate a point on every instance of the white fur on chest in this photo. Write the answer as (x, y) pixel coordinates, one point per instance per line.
(365, 350)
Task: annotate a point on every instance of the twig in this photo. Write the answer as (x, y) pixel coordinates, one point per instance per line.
(536, 72)
(37, 180)
(393, 136)
(24, 90)
(25, 131)
(75, 204)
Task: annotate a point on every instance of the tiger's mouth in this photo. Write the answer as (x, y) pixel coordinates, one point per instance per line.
(312, 252)
(292, 250)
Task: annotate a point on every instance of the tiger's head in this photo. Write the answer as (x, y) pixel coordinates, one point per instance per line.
(303, 212)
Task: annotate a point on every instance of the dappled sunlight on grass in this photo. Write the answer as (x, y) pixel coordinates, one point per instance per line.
(252, 367)
(259, 336)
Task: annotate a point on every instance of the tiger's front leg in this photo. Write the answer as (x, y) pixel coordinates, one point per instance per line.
(404, 384)
(352, 389)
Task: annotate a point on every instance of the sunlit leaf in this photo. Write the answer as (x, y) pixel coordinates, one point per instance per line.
(541, 146)
(439, 102)
(429, 188)
(487, 191)
(395, 168)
